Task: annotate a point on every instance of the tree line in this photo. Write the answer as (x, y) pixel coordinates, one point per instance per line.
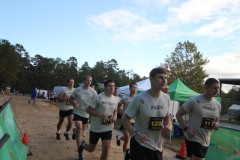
(21, 72)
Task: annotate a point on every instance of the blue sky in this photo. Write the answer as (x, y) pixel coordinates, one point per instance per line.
(139, 34)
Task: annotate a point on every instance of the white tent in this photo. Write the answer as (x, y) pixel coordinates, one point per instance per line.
(234, 110)
(142, 86)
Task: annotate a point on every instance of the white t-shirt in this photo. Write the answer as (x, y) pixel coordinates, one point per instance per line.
(83, 97)
(103, 105)
(202, 113)
(149, 113)
(65, 105)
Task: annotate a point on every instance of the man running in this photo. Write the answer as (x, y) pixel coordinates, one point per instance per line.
(66, 109)
(204, 112)
(103, 110)
(81, 99)
(123, 104)
(152, 119)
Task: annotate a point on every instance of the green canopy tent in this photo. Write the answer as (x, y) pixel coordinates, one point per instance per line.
(179, 91)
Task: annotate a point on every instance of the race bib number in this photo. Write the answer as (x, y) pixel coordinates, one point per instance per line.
(207, 123)
(155, 123)
(107, 120)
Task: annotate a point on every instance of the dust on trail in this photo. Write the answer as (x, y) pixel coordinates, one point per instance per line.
(39, 122)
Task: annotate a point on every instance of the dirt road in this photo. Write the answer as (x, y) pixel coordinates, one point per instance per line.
(39, 122)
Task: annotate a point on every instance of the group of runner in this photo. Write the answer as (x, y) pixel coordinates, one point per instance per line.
(146, 118)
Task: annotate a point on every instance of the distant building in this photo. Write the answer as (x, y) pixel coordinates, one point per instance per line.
(234, 111)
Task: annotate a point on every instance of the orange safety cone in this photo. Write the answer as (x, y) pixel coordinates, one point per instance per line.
(25, 142)
(182, 151)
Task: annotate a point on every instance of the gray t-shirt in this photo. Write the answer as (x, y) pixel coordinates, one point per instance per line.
(83, 97)
(103, 105)
(149, 113)
(126, 101)
(202, 113)
(65, 105)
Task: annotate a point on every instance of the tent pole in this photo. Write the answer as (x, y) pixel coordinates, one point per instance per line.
(170, 137)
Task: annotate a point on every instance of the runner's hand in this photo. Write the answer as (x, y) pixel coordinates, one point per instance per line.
(142, 136)
(114, 119)
(215, 125)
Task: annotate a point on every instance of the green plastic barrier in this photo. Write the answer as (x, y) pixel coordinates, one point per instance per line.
(224, 145)
(13, 149)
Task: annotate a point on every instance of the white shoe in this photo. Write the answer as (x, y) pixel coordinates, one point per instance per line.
(84, 133)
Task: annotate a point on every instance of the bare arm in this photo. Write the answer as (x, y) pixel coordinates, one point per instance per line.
(72, 101)
(114, 119)
(191, 133)
(120, 108)
(128, 126)
(167, 122)
(92, 112)
(216, 123)
(179, 115)
(62, 97)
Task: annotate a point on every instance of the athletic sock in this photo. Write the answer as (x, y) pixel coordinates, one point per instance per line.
(119, 137)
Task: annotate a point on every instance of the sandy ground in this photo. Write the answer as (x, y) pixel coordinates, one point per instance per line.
(39, 122)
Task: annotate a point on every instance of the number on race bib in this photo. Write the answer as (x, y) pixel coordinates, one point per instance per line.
(207, 123)
(155, 123)
(107, 120)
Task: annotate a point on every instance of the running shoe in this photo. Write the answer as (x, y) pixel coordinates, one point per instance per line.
(118, 141)
(81, 148)
(74, 135)
(66, 136)
(58, 136)
(127, 155)
(84, 133)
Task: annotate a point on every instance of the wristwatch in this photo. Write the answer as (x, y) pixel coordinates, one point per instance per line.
(134, 133)
(185, 129)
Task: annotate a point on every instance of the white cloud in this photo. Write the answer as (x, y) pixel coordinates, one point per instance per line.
(224, 66)
(222, 27)
(128, 26)
(197, 10)
(214, 19)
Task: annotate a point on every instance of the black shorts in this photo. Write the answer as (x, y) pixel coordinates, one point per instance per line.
(80, 118)
(65, 113)
(122, 128)
(51, 99)
(139, 152)
(94, 136)
(195, 148)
